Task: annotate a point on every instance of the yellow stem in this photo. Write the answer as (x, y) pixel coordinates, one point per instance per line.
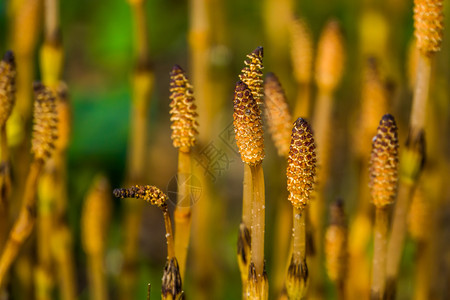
(282, 242)
(141, 32)
(98, 290)
(398, 232)
(421, 90)
(182, 213)
(4, 144)
(322, 128)
(43, 283)
(303, 103)
(63, 254)
(169, 233)
(25, 222)
(247, 197)
(51, 8)
(199, 61)
(258, 220)
(299, 236)
(379, 253)
(422, 274)
(142, 85)
(5, 186)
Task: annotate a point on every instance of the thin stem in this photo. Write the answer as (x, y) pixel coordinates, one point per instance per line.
(299, 236)
(303, 102)
(141, 32)
(247, 197)
(98, 289)
(4, 144)
(199, 44)
(24, 224)
(258, 221)
(322, 125)
(379, 255)
(282, 242)
(398, 233)
(66, 266)
(422, 278)
(5, 186)
(341, 295)
(421, 91)
(183, 209)
(169, 233)
(142, 86)
(51, 20)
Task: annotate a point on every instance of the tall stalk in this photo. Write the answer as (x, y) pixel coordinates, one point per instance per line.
(142, 86)
(44, 135)
(301, 172)
(183, 116)
(383, 187)
(250, 142)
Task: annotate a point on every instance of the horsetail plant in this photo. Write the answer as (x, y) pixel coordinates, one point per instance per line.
(183, 116)
(42, 145)
(301, 172)
(383, 188)
(251, 77)
(250, 141)
(171, 280)
(428, 30)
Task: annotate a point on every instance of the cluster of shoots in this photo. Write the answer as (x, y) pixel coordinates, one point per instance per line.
(44, 136)
(391, 174)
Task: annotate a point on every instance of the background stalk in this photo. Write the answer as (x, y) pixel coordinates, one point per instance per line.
(62, 241)
(96, 270)
(24, 225)
(142, 88)
(95, 225)
(5, 187)
(397, 237)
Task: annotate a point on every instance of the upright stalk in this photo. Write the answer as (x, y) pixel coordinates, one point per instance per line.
(300, 173)
(379, 256)
(299, 235)
(250, 141)
(183, 116)
(258, 220)
(397, 237)
(421, 92)
(247, 197)
(383, 187)
(182, 214)
(142, 86)
(25, 222)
